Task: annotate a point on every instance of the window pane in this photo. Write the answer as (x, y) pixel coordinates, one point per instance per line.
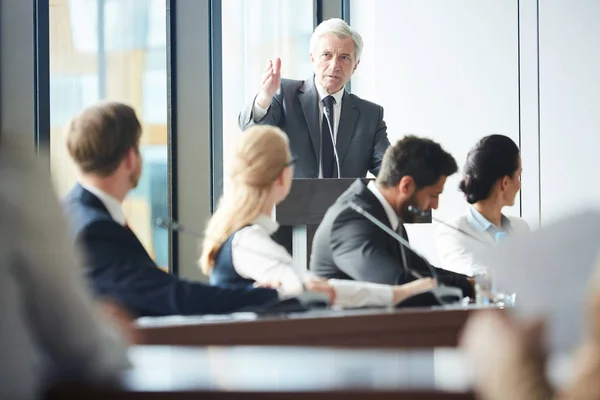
(255, 31)
(130, 68)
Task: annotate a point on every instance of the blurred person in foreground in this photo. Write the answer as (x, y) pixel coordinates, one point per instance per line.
(51, 329)
(508, 356)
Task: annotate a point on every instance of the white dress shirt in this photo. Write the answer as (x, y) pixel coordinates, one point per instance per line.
(50, 324)
(111, 203)
(258, 112)
(389, 211)
(257, 257)
(464, 252)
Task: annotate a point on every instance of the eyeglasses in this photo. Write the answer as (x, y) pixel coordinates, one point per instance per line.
(291, 162)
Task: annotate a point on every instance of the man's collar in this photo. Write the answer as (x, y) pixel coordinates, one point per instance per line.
(322, 92)
(389, 210)
(110, 202)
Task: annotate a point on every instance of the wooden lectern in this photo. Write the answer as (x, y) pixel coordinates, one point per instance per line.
(301, 212)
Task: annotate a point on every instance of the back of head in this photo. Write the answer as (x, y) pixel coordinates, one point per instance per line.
(341, 29)
(492, 158)
(260, 155)
(422, 159)
(101, 135)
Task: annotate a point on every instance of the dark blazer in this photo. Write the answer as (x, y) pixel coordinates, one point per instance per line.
(361, 138)
(119, 267)
(346, 245)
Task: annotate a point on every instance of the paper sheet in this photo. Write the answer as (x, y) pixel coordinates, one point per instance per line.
(551, 271)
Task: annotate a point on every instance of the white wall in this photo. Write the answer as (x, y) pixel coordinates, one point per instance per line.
(569, 60)
(447, 70)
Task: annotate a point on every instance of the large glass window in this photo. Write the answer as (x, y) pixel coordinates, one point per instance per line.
(255, 31)
(114, 50)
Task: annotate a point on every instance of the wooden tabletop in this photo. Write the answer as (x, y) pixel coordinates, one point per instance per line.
(365, 328)
(172, 372)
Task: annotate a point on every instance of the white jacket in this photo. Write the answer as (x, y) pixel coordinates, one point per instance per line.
(463, 254)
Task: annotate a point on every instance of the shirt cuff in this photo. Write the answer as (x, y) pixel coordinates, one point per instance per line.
(361, 294)
(258, 112)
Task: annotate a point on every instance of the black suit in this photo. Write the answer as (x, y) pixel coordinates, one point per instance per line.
(119, 267)
(361, 136)
(349, 246)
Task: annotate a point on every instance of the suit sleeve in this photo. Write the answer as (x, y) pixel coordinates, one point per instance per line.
(448, 278)
(358, 249)
(380, 145)
(273, 116)
(131, 277)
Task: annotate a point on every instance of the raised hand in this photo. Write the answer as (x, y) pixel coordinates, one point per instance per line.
(270, 81)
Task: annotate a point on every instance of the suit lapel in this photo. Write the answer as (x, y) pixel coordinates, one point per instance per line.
(348, 118)
(309, 99)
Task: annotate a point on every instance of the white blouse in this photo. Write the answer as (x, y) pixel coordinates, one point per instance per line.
(257, 256)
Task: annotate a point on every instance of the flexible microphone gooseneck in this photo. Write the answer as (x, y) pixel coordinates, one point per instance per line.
(421, 213)
(335, 153)
(440, 295)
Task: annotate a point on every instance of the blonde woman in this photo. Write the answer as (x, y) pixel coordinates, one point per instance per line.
(238, 248)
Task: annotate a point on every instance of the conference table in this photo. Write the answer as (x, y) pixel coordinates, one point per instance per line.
(362, 328)
(257, 372)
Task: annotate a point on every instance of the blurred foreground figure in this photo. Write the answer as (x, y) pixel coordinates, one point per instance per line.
(50, 327)
(509, 357)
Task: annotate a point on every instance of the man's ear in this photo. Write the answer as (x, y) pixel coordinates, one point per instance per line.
(355, 66)
(130, 158)
(406, 185)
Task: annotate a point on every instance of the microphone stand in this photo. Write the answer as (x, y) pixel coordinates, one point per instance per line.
(440, 295)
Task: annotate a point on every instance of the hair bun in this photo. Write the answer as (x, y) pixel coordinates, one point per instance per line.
(472, 189)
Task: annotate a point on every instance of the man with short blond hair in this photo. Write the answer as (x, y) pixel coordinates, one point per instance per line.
(104, 143)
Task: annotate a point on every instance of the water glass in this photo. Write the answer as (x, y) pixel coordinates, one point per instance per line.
(483, 288)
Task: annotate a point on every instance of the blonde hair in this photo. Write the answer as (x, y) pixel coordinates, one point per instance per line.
(260, 155)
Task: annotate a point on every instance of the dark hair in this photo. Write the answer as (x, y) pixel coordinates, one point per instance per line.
(492, 158)
(99, 137)
(422, 159)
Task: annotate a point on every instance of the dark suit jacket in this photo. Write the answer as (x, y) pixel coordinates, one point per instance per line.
(119, 267)
(361, 137)
(346, 245)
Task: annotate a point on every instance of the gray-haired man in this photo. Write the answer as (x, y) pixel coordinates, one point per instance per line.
(333, 133)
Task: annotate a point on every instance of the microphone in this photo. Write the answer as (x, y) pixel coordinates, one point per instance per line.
(440, 295)
(305, 301)
(421, 213)
(329, 118)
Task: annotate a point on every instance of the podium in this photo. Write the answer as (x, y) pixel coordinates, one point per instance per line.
(302, 211)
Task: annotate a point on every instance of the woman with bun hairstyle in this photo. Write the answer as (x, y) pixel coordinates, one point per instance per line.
(491, 181)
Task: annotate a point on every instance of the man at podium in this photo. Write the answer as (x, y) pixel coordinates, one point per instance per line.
(332, 133)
